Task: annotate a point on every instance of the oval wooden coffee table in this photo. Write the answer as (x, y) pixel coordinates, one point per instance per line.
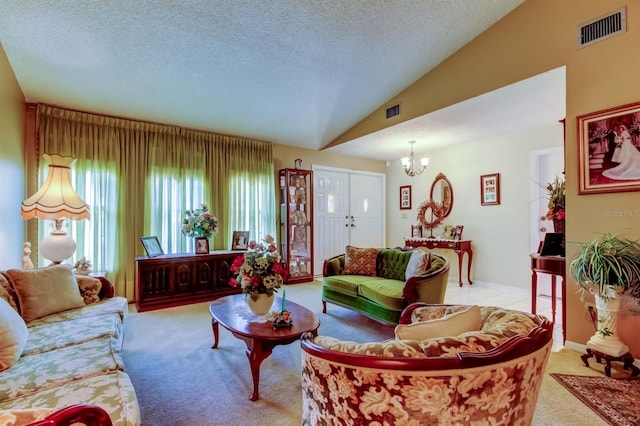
(260, 337)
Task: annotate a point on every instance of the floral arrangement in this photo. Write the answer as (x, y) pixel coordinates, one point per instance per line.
(258, 270)
(82, 266)
(199, 223)
(556, 190)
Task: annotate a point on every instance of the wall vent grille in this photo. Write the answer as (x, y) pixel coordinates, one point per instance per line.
(602, 28)
(393, 111)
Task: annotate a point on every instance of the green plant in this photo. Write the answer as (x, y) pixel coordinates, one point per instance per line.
(608, 262)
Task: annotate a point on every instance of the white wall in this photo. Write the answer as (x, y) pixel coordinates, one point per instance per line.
(500, 233)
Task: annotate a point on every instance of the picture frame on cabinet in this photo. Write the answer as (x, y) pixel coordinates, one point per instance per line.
(416, 231)
(405, 197)
(152, 246)
(457, 235)
(202, 245)
(609, 150)
(240, 240)
(490, 189)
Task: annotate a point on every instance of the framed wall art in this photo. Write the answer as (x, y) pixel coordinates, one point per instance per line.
(152, 246)
(490, 189)
(609, 150)
(202, 245)
(405, 197)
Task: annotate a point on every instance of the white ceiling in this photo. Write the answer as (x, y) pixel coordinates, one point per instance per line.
(292, 72)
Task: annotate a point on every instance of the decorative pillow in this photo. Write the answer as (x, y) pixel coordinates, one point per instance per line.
(419, 263)
(449, 325)
(45, 291)
(89, 288)
(360, 261)
(13, 335)
(8, 293)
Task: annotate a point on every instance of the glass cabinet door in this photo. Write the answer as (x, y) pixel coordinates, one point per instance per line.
(296, 231)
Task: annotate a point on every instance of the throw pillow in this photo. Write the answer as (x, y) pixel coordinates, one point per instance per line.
(8, 293)
(45, 291)
(13, 335)
(419, 263)
(449, 325)
(360, 261)
(89, 288)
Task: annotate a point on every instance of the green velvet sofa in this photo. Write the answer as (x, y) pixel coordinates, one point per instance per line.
(384, 296)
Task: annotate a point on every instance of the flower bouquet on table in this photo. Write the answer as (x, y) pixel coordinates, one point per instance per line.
(556, 190)
(258, 270)
(199, 223)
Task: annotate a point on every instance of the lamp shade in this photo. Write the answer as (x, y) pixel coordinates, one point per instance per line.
(56, 199)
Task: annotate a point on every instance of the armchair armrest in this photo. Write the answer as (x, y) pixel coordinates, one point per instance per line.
(333, 266)
(429, 288)
(86, 414)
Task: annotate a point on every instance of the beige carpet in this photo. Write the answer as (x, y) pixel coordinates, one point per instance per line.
(180, 380)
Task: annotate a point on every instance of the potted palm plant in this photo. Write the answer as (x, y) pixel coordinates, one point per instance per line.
(608, 267)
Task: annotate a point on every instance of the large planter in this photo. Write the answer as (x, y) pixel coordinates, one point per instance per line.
(262, 305)
(606, 339)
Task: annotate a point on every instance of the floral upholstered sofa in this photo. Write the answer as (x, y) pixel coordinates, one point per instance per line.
(489, 374)
(61, 339)
(380, 283)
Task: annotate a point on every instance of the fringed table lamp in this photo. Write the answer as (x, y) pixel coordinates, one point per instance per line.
(56, 200)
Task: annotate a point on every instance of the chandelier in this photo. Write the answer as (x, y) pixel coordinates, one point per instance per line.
(410, 166)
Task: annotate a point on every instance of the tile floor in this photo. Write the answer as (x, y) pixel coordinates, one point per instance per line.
(481, 293)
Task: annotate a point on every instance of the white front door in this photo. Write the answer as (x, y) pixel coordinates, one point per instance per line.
(348, 209)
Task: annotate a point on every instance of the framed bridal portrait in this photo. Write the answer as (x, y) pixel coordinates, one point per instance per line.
(490, 189)
(240, 240)
(609, 150)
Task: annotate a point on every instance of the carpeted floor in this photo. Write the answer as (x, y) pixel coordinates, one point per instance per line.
(180, 380)
(613, 399)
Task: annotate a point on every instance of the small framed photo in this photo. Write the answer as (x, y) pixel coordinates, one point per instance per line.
(490, 189)
(405, 197)
(416, 231)
(609, 150)
(457, 235)
(202, 245)
(152, 246)
(240, 240)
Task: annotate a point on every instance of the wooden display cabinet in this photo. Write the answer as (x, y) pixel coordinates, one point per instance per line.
(296, 223)
(180, 279)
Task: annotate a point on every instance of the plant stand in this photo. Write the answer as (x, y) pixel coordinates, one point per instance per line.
(627, 360)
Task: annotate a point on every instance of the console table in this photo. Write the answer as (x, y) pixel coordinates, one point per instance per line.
(180, 279)
(554, 266)
(460, 247)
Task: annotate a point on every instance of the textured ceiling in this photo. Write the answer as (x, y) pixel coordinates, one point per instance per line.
(292, 72)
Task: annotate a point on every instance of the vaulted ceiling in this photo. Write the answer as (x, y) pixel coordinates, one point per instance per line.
(292, 72)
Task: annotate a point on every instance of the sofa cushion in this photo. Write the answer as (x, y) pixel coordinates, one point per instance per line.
(13, 335)
(419, 263)
(112, 391)
(36, 372)
(347, 284)
(383, 291)
(89, 288)
(118, 305)
(360, 261)
(392, 263)
(45, 291)
(54, 335)
(449, 325)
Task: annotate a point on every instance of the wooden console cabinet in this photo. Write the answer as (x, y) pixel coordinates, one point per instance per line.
(180, 279)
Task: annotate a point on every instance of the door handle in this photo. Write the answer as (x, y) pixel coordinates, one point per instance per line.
(543, 229)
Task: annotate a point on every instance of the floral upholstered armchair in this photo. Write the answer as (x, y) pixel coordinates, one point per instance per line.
(491, 375)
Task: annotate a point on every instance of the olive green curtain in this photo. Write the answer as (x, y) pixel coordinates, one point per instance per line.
(130, 165)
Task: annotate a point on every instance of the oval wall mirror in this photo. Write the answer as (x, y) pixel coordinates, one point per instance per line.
(442, 192)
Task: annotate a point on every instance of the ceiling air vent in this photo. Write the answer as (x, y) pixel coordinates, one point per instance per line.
(392, 111)
(602, 28)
